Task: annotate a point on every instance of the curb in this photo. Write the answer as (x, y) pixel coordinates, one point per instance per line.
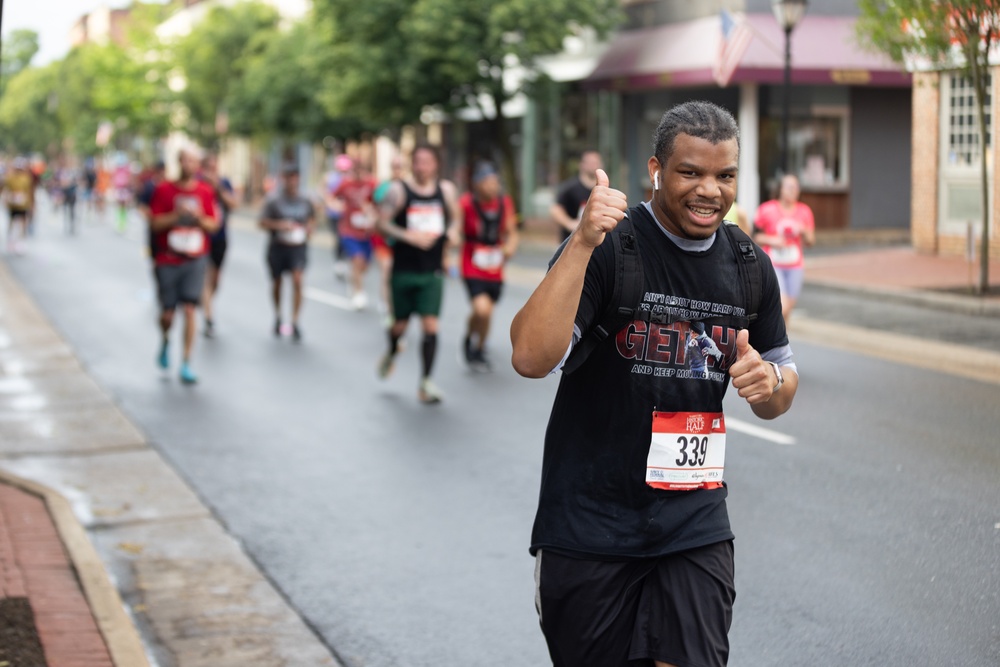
(952, 303)
(116, 627)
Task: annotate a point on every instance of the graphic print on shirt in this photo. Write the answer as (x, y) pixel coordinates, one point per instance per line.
(676, 337)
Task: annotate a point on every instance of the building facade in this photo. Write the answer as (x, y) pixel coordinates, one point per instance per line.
(850, 110)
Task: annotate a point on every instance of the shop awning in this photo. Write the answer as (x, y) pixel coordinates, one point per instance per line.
(825, 51)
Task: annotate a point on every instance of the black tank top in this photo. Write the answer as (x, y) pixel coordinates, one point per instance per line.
(421, 212)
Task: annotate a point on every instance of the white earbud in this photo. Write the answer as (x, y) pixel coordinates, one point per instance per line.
(656, 181)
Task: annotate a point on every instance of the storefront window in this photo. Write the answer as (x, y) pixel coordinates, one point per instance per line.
(962, 121)
(817, 151)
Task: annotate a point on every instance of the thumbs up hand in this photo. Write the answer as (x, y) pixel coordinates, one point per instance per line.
(753, 377)
(605, 209)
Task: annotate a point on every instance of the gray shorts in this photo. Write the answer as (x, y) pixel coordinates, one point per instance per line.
(790, 281)
(181, 283)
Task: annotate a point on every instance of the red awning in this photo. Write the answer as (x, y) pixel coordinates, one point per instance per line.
(825, 51)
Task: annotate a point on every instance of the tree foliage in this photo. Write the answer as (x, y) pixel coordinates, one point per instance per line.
(17, 52)
(949, 35)
(397, 57)
(213, 59)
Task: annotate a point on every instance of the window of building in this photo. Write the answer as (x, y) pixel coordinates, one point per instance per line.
(961, 122)
(818, 149)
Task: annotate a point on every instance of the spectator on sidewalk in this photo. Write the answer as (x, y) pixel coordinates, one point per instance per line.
(573, 193)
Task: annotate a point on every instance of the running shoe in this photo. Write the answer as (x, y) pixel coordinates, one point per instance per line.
(277, 327)
(164, 359)
(429, 392)
(187, 375)
(385, 365)
(359, 301)
(209, 329)
(296, 333)
(480, 363)
(467, 350)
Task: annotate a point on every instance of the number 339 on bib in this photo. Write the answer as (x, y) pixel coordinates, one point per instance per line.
(687, 451)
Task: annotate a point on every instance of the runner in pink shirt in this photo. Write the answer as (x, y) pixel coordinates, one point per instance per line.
(782, 227)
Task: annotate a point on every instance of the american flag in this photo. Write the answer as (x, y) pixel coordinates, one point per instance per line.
(736, 36)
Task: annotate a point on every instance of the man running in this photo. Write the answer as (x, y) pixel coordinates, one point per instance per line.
(353, 198)
(182, 213)
(19, 195)
(382, 250)
(633, 546)
(421, 214)
(573, 193)
(490, 238)
(225, 201)
(290, 218)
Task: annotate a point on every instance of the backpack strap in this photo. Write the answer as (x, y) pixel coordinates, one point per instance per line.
(623, 305)
(749, 267)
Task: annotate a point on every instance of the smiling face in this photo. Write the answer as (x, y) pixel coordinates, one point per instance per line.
(697, 186)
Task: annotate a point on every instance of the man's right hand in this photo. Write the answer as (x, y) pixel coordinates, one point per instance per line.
(605, 209)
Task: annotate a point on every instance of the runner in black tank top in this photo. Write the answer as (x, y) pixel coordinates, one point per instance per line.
(420, 216)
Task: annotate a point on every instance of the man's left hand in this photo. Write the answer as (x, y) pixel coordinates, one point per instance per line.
(752, 376)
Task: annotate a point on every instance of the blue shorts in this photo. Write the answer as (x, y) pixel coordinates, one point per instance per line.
(354, 247)
(790, 281)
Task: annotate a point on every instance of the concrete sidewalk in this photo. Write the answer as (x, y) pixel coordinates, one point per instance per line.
(119, 560)
(122, 563)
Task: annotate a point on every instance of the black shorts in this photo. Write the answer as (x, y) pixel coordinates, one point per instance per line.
(217, 251)
(14, 213)
(491, 288)
(286, 258)
(180, 283)
(675, 609)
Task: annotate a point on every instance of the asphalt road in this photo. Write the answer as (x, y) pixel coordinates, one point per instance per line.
(867, 519)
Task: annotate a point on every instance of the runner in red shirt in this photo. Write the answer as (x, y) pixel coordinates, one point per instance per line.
(181, 212)
(357, 225)
(490, 238)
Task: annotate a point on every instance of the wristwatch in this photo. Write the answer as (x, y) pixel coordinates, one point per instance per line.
(777, 374)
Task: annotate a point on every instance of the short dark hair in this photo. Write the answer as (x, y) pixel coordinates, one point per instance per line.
(431, 148)
(697, 119)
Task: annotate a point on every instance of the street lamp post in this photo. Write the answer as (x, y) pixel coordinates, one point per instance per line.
(788, 13)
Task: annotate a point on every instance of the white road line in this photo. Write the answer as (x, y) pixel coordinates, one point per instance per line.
(329, 298)
(759, 431)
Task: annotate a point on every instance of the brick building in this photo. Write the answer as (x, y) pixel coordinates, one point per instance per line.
(946, 198)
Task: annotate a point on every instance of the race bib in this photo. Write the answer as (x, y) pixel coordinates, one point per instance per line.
(18, 199)
(790, 254)
(487, 258)
(186, 241)
(359, 220)
(295, 236)
(687, 451)
(426, 217)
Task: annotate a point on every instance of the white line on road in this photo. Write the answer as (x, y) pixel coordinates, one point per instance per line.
(759, 431)
(329, 298)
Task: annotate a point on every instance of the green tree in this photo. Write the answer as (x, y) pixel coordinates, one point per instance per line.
(27, 121)
(948, 35)
(278, 94)
(212, 60)
(397, 57)
(16, 53)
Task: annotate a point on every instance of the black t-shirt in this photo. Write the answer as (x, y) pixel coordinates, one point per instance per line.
(427, 213)
(594, 499)
(573, 196)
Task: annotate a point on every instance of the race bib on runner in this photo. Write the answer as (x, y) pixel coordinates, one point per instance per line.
(18, 199)
(487, 258)
(361, 221)
(790, 254)
(186, 241)
(687, 451)
(294, 236)
(426, 217)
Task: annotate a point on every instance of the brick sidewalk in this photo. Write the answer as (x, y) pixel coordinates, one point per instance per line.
(34, 565)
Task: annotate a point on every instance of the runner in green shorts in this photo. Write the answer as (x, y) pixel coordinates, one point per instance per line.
(421, 214)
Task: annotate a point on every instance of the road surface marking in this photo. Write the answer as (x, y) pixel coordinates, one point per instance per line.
(759, 431)
(329, 298)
